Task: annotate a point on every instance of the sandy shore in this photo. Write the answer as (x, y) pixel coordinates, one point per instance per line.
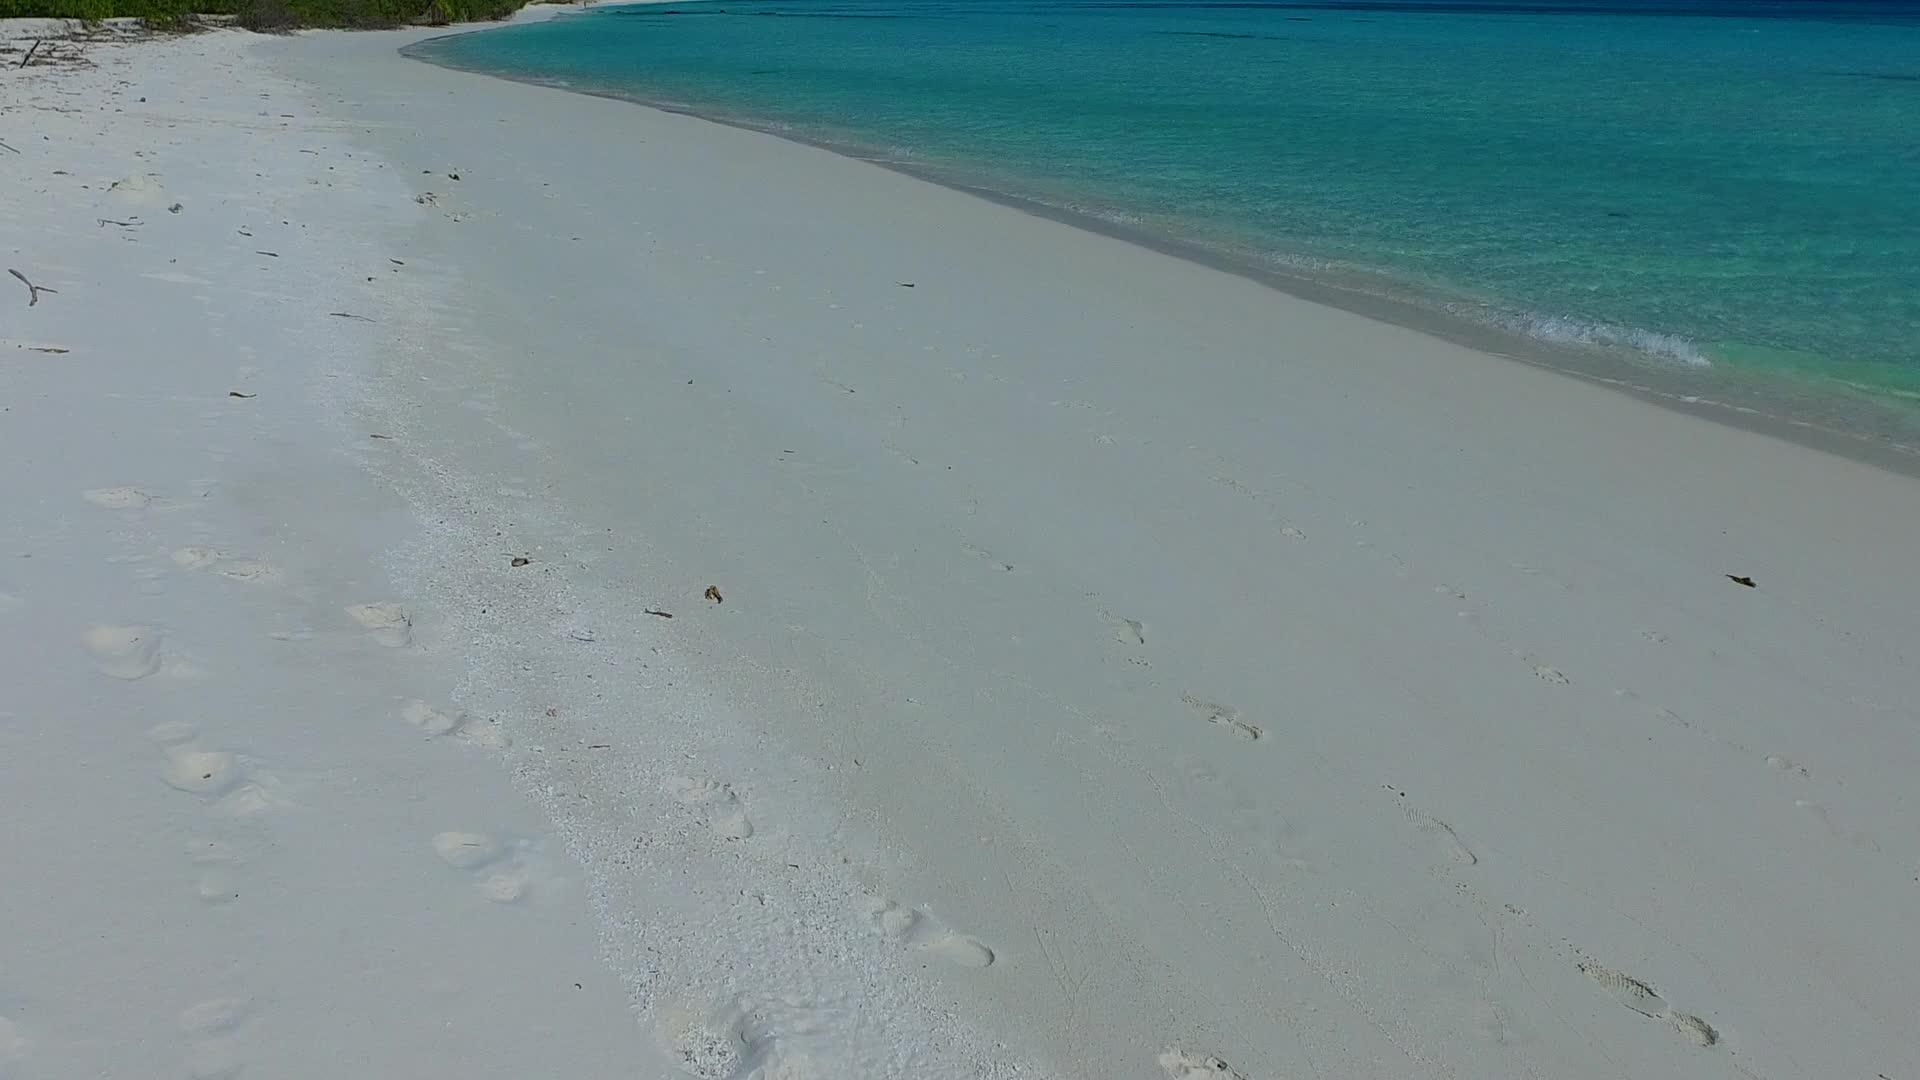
(1112, 668)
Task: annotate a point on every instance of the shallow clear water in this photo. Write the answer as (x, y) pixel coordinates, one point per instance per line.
(1700, 181)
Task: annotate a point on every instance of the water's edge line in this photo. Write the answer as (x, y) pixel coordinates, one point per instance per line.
(1592, 366)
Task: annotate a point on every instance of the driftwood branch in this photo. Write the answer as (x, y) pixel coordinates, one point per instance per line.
(33, 291)
(35, 47)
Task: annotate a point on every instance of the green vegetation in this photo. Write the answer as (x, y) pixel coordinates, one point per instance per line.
(158, 12)
(269, 14)
(366, 14)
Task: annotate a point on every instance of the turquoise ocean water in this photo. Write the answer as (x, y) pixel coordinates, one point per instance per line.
(1721, 193)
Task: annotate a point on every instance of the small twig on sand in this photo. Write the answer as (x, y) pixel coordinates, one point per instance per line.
(662, 614)
(33, 291)
(9, 149)
(105, 221)
(28, 59)
(268, 254)
(348, 315)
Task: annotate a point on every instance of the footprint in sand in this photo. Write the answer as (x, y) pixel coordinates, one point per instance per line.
(918, 929)
(47, 347)
(466, 850)
(1625, 989)
(1441, 833)
(500, 871)
(1693, 1029)
(1443, 836)
(1127, 631)
(459, 725)
(219, 777)
(717, 804)
(1224, 717)
(1181, 1065)
(119, 498)
(979, 552)
(124, 652)
(387, 623)
(734, 1041)
(215, 561)
(1641, 998)
(218, 882)
(214, 1016)
(705, 1053)
(1787, 765)
(1542, 671)
(207, 773)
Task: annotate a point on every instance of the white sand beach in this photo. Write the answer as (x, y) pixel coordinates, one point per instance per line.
(496, 582)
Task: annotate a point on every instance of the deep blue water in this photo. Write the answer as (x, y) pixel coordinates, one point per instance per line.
(1730, 184)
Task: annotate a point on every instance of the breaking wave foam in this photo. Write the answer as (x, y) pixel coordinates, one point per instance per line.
(1565, 330)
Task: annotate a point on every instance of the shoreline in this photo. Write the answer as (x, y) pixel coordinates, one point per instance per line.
(1880, 433)
(512, 584)
(1116, 718)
